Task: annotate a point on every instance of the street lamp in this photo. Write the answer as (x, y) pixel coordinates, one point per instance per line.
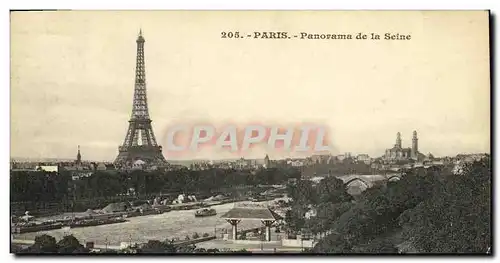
(302, 236)
(261, 240)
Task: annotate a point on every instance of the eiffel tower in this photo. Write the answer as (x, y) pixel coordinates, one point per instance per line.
(140, 142)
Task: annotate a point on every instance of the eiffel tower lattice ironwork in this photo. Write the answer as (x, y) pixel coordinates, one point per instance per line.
(140, 142)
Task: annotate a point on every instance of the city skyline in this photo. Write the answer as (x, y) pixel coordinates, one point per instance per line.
(73, 83)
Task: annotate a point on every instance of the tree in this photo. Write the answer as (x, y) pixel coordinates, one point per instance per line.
(295, 218)
(156, 246)
(327, 214)
(153, 246)
(69, 244)
(45, 244)
(457, 217)
(302, 192)
(332, 190)
(186, 249)
(377, 246)
(334, 244)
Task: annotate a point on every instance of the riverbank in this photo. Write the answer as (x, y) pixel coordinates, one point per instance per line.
(106, 247)
(159, 209)
(71, 223)
(65, 206)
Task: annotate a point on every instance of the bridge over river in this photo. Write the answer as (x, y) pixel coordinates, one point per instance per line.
(357, 183)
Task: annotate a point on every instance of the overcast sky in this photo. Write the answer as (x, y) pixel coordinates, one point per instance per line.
(72, 78)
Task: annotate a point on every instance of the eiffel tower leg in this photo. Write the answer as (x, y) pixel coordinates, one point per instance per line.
(152, 136)
(130, 135)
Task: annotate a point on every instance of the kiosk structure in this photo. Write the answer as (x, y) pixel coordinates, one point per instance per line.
(251, 212)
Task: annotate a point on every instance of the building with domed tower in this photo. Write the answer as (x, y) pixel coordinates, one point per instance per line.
(398, 153)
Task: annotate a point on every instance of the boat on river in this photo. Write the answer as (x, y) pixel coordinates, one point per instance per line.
(95, 222)
(259, 199)
(26, 228)
(205, 212)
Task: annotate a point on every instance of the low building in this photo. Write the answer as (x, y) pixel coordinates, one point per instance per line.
(365, 158)
(295, 163)
(47, 168)
(78, 175)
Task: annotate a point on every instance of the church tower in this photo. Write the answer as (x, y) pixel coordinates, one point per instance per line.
(267, 162)
(414, 146)
(78, 156)
(398, 141)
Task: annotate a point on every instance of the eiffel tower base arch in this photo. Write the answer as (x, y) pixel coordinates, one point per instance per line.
(151, 155)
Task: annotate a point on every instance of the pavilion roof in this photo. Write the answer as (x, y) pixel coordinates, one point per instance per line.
(252, 212)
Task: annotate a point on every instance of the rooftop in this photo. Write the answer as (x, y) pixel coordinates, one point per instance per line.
(252, 212)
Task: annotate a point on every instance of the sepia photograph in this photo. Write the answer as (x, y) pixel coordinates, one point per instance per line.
(162, 132)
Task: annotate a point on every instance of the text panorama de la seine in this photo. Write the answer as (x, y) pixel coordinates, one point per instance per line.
(315, 36)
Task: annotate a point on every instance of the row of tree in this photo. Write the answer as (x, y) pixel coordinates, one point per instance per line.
(53, 187)
(46, 244)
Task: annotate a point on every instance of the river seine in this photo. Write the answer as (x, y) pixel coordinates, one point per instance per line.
(153, 227)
